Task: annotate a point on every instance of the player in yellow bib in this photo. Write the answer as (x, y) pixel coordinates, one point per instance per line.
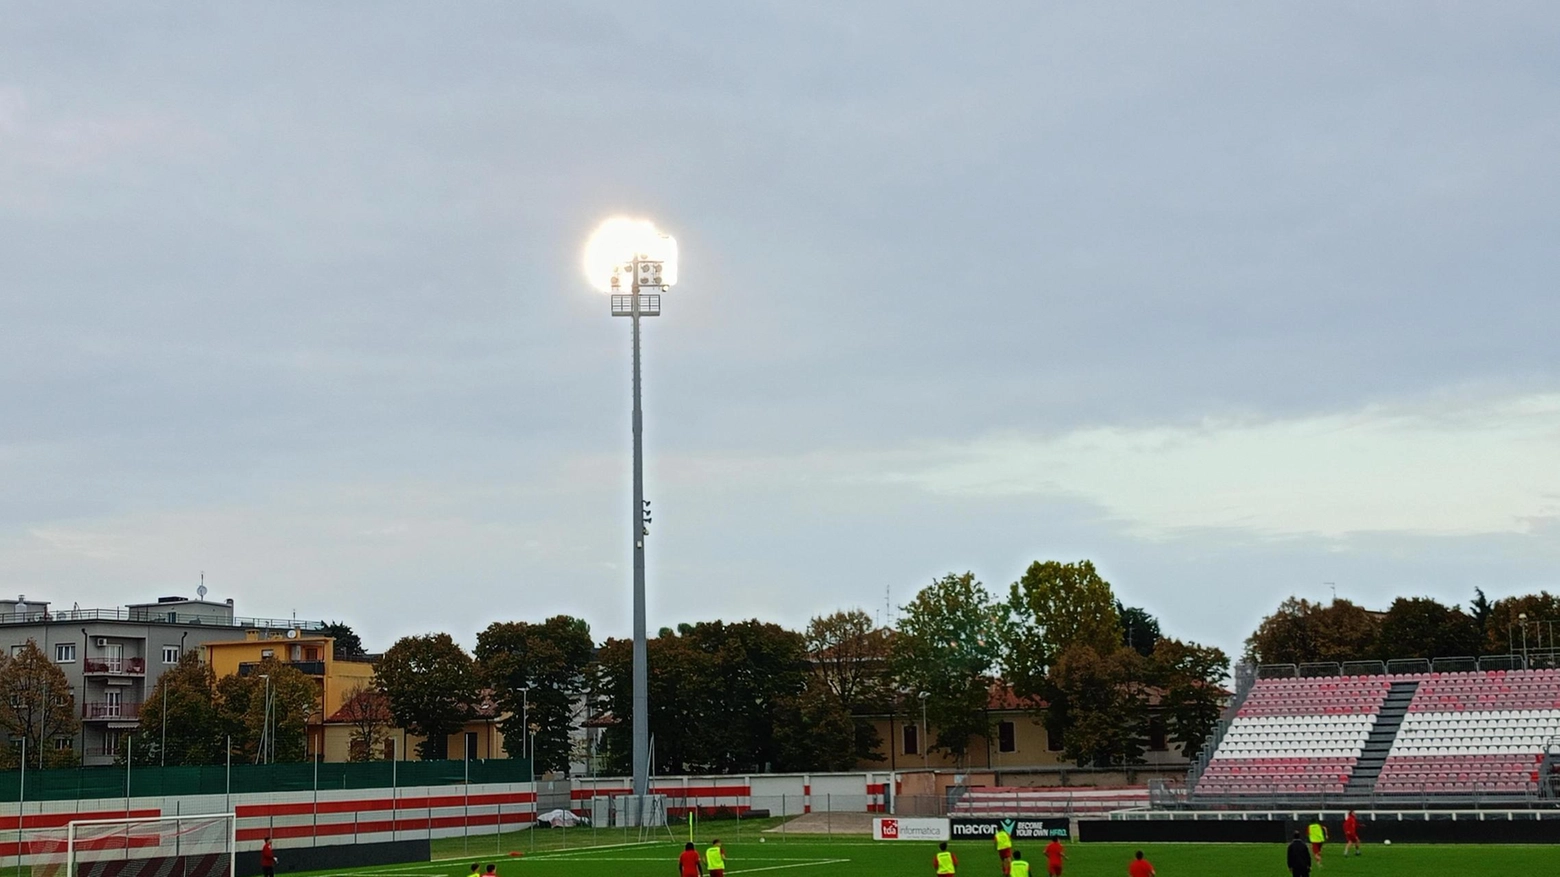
(715, 859)
(1318, 836)
(1004, 849)
(1019, 867)
(944, 861)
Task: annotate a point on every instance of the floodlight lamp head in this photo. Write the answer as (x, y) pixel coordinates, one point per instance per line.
(623, 252)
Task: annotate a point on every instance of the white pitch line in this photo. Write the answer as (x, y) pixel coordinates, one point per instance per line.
(811, 864)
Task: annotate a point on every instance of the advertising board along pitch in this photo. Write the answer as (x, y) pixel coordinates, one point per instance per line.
(897, 828)
(982, 828)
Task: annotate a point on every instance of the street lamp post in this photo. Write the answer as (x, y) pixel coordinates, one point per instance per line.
(634, 263)
(926, 755)
(1522, 619)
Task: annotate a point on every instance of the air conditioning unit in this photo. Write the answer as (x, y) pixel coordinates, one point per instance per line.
(102, 642)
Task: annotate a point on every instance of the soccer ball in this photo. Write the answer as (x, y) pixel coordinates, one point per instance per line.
(1387, 842)
(765, 839)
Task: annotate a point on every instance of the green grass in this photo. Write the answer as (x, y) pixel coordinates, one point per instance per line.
(813, 856)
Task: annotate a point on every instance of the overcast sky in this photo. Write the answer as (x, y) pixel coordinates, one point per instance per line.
(1234, 299)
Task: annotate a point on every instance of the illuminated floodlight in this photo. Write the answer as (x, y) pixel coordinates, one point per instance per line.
(619, 243)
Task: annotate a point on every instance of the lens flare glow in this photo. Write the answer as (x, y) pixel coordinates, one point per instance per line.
(617, 241)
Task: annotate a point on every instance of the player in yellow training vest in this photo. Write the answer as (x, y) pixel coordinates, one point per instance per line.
(1318, 836)
(1004, 849)
(944, 860)
(1020, 868)
(715, 859)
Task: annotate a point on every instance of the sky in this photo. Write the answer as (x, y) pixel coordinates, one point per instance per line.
(1237, 300)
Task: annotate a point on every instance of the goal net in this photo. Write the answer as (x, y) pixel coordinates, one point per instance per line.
(164, 846)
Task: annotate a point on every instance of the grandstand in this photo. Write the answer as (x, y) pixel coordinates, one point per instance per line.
(1484, 734)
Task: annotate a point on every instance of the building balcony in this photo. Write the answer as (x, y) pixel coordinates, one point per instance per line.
(257, 668)
(114, 667)
(110, 712)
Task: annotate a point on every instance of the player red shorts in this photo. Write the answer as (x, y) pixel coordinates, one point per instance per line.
(1005, 854)
(718, 872)
(1054, 869)
(1315, 849)
(1351, 838)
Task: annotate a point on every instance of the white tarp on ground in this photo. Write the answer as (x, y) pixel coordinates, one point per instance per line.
(561, 819)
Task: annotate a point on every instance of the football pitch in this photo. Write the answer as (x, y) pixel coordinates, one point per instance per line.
(862, 857)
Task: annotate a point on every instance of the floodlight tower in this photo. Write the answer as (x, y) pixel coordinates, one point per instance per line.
(634, 263)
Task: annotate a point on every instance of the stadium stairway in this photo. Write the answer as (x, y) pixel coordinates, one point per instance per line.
(1390, 718)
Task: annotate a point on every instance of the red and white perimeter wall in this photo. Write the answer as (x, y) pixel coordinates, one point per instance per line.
(295, 819)
(347, 816)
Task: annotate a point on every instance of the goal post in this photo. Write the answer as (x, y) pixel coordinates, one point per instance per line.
(201, 845)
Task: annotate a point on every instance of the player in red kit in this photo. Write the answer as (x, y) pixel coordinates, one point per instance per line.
(1054, 857)
(688, 864)
(1351, 833)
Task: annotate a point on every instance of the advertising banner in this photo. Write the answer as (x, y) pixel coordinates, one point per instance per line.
(982, 828)
(898, 828)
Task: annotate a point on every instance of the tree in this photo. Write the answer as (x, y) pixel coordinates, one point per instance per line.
(1503, 632)
(815, 732)
(947, 644)
(1479, 607)
(1191, 678)
(1107, 704)
(849, 656)
(367, 713)
(194, 729)
(536, 672)
(346, 645)
(1053, 606)
(36, 706)
(717, 693)
(1419, 627)
(1139, 629)
(267, 712)
(1300, 632)
(431, 683)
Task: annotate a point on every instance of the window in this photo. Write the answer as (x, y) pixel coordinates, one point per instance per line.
(170, 654)
(1156, 735)
(912, 740)
(1053, 742)
(1006, 734)
(111, 743)
(267, 654)
(64, 743)
(64, 653)
(16, 650)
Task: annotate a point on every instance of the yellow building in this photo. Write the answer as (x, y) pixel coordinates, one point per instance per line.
(1018, 739)
(346, 731)
(310, 653)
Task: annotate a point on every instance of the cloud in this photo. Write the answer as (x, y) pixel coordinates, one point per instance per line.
(1433, 468)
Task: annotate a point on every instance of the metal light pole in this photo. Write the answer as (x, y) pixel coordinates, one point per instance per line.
(634, 251)
(1522, 618)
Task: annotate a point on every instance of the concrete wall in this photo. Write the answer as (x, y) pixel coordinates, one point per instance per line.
(780, 794)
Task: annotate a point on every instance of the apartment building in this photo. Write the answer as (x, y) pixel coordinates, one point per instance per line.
(113, 657)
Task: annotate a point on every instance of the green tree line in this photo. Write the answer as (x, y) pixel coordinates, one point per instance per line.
(1300, 631)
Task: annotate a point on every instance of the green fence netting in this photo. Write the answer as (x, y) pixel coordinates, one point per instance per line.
(151, 781)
